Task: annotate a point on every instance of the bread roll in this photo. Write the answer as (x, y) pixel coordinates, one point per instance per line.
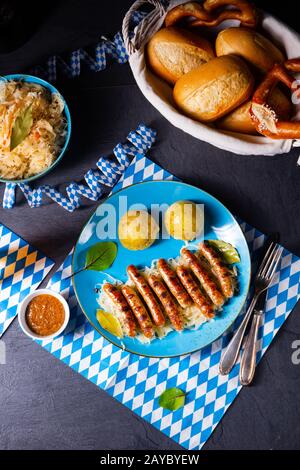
(249, 45)
(172, 52)
(239, 120)
(214, 89)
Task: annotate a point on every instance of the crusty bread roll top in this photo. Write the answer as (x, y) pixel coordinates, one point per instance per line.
(172, 52)
(214, 89)
(250, 45)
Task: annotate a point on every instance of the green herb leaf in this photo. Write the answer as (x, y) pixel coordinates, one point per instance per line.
(172, 399)
(21, 127)
(228, 252)
(101, 256)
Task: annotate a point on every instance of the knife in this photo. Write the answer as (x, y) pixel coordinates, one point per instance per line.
(248, 362)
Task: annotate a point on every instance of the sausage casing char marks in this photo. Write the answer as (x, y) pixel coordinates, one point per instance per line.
(208, 284)
(174, 284)
(171, 290)
(220, 270)
(122, 306)
(194, 291)
(166, 299)
(139, 311)
(147, 294)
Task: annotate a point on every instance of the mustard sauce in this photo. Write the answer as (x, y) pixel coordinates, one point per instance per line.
(45, 314)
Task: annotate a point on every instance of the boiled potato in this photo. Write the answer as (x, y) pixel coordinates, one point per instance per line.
(184, 220)
(137, 230)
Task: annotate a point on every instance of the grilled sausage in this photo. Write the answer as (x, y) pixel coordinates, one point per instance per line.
(167, 301)
(173, 283)
(122, 306)
(219, 268)
(139, 311)
(194, 291)
(205, 279)
(147, 294)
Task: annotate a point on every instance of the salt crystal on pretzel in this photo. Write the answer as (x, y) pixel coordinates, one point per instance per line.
(265, 118)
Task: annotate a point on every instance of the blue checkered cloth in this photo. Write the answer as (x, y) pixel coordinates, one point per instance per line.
(136, 381)
(22, 269)
(94, 61)
(107, 175)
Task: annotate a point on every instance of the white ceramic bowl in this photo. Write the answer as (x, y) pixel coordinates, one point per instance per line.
(23, 307)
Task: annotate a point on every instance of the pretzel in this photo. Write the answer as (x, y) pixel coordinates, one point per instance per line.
(263, 116)
(214, 12)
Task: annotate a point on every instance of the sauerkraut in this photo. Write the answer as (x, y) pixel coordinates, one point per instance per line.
(42, 143)
(193, 317)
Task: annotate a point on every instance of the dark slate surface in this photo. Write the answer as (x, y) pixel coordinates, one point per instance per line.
(44, 404)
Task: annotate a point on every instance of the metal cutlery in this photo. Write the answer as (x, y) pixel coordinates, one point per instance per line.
(262, 281)
(248, 361)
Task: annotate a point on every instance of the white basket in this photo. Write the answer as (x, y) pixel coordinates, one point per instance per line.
(159, 93)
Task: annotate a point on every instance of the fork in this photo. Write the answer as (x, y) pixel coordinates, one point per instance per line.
(262, 281)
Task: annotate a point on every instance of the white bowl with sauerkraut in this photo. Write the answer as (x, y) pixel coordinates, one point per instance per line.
(35, 128)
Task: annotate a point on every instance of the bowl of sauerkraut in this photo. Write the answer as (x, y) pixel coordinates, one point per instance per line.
(35, 128)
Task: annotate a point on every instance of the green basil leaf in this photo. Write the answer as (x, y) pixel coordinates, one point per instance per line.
(21, 127)
(227, 251)
(101, 256)
(172, 399)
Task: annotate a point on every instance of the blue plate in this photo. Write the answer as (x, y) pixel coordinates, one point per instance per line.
(52, 89)
(219, 224)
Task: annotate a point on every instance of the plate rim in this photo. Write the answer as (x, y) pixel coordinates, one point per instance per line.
(123, 348)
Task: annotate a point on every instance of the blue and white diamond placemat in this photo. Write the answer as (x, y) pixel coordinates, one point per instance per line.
(136, 381)
(22, 269)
